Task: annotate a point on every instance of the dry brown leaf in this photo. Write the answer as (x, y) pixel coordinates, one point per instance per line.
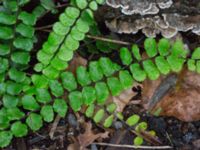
(123, 99)
(73, 146)
(88, 137)
(77, 61)
(182, 102)
(196, 143)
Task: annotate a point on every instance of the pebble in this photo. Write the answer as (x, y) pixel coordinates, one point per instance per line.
(72, 120)
(94, 147)
(188, 137)
(118, 125)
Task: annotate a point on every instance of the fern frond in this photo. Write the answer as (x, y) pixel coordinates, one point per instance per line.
(71, 28)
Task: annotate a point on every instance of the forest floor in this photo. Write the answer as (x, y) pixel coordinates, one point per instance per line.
(70, 132)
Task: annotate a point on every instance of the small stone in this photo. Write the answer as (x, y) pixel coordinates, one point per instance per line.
(188, 137)
(72, 120)
(94, 147)
(118, 125)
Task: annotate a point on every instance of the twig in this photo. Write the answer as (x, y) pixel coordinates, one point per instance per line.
(108, 40)
(168, 137)
(59, 6)
(36, 139)
(133, 146)
(44, 27)
(54, 126)
(63, 5)
(46, 30)
(149, 138)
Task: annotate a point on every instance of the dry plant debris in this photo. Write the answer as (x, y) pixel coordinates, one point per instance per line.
(181, 101)
(87, 138)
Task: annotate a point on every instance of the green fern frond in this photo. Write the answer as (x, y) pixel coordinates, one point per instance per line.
(71, 28)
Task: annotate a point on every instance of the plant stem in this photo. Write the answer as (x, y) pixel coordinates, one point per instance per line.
(133, 146)
(108, 40)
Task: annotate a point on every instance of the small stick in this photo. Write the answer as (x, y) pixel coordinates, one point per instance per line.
(133, 146)
(59, 6)
(108, 40)
(54, 126)
(36, 139)
(44, 27)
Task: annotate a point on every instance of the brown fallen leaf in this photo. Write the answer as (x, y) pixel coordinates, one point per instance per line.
(182, 102)
(88, 137)
(73, 146)
(123, 99)
(76, 62)
(196, 143)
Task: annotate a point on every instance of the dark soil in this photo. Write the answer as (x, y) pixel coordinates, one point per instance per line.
(170, 131)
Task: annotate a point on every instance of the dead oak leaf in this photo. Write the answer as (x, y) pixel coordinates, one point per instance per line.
(182, 101)
(123, 99)
(76, 62)
(88, 137)
(196, 143)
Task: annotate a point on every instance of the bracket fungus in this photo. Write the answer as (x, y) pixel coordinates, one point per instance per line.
(152, 18)
(143, 7)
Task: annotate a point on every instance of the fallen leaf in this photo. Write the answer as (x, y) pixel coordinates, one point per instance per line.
(73, 146)
(88, 137)
(196, 143)
(182, 102)
(54, 127)
(123, 99)
(76, 62)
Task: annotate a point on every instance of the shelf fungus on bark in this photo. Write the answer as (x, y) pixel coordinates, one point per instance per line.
(147, 16)
(168, 25)
(142, 7)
